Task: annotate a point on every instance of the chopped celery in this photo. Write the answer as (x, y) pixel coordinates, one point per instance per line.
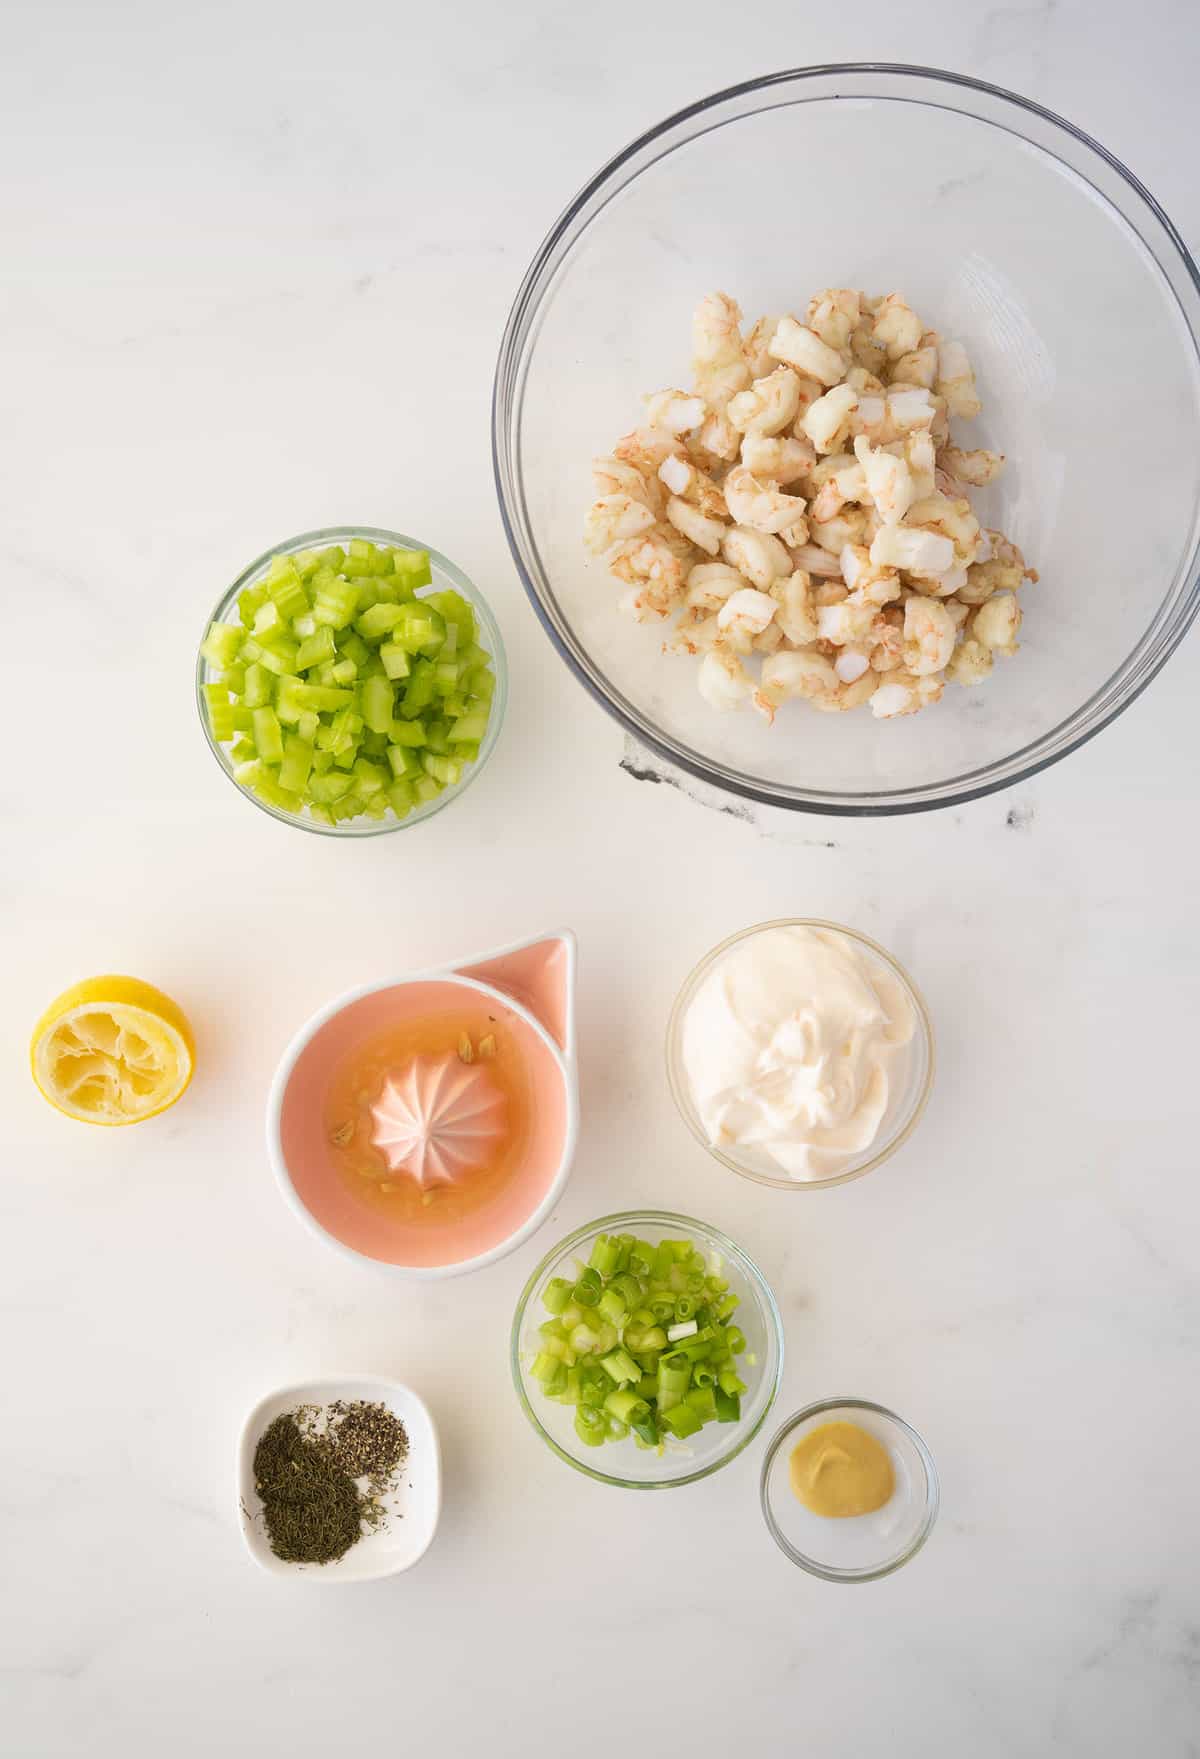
(377, 704)
(344, 689)
(222, 644)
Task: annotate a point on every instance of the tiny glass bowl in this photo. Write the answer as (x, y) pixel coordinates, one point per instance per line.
(624, 1463)
(907, 1098)
(446, 577)
(856, 1548)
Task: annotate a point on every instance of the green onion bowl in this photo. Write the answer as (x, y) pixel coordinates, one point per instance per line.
(647, 1350)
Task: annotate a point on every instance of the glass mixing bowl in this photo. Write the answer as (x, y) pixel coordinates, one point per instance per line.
(1004, 227)
(445, 577)
(622, 1462)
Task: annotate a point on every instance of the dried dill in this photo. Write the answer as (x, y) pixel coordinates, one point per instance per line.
(311, 1506)
(305, 1467)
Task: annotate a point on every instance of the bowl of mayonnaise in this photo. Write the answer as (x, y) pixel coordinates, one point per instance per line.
(800, 1053)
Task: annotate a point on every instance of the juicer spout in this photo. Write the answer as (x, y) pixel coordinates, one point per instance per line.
(540, 974)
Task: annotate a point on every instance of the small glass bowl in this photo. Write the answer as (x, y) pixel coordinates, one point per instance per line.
(635, 1468)
(445, 577)
(905, 1105)
(858, 1548)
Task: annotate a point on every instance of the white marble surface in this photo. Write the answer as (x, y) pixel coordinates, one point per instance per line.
(256, 262)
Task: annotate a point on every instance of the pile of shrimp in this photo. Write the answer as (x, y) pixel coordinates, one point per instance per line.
(805, 504)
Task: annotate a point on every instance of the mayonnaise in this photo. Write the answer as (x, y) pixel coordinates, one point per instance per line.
(790, 1045)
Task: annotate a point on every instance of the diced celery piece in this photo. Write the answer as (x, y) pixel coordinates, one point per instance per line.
(343, 671)
(455, 610)
(321, 814)
(345, 755)
(466, 753)
(446, 770)
(395, 660)
(267, 737)
(407, 733)
(374, 668)
(318, 647)
(374, 744)
(286, 706)
(468, 729)
(419, 693)
(334, 603)
(234, 678)
(377, 703)
(377, 620)
(269, 620)
(220, 719)
(445, 677)
(426, 789)
(307, 562)
(454, 706)
(243, 718)
(266, 786)
(297, 761)
(330, 787)
(307, 725)
(216, 693)
(321, 696)
(279, 659)
(375, 805)
(351, 646)
(403, 761)
(322, 761)
(369, 777)
(333, 558)
(222, 644)
(438, 737)
(412, 566)
(361, 550)
(303, 627)
(249, 599)
(242, 751)
(400, 797)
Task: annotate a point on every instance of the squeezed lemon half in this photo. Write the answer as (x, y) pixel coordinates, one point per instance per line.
(112, 1050)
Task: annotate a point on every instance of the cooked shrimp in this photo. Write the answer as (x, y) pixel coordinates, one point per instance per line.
(710, 583)
(827, 422)
(612, 520)
(744, 615)
(877, 585)
(995, 623)
(762, 504)
(917, 551)
(802, 348)
(917, 368)
(896, 327)
(832, 316)
(956, 381)
(757, 555)
(977, 468)
(888, 481)
(850, 621)
(902, 694)
(794, 673)
(852, 663)
(689, 483)
(675, 412)
(717, 360)
(970, 662)
(846, 527)
(645, 449)
(814, 560)
(795, 534)
(723, 681)
(774, 455)
(910, 407)
(756, 349)
(612, 476)
(768, 406)
(796, 617)
(952, 518)
(700, 528)
(658, 561)
(717, 437)
(929, 636)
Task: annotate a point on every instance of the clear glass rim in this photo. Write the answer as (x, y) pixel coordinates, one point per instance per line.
(683, 1099)
(933, 1493)
(319, 539)
(654, 1218)
(1166, 629)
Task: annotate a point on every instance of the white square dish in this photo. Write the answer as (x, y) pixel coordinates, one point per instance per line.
(412, 1508)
